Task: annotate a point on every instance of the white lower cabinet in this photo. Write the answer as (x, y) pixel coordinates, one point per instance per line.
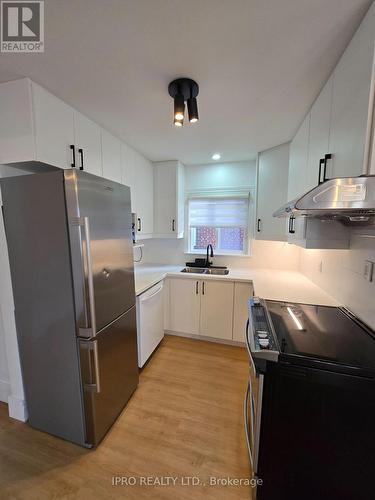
(208, 308)
(217, 309)
(184, 305)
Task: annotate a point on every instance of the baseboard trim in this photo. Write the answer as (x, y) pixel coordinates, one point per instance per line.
(4, 391)
(17, 408)
(207, 339)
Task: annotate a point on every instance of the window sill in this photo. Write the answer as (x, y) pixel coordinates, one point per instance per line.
(218, 254)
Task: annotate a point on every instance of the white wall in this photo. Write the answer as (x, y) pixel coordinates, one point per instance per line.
(265, 254)
(220, 175)
(4, 370)
(235, 175)
(341, 274)
(11, 385)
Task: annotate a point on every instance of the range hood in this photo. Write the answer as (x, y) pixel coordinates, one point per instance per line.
(350, 200)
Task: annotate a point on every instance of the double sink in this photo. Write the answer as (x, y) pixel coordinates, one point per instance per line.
(218, 271)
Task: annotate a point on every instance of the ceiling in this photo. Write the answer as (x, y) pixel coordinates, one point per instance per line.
(259, 64)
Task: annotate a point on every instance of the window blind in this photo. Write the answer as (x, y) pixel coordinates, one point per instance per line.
(219, 212)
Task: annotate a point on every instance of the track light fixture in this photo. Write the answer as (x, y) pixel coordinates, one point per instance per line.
(181, 90)
(179, 107)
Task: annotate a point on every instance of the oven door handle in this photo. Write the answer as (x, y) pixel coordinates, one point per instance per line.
(249, 442)
(248, 348)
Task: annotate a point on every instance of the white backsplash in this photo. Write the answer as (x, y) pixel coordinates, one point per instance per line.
(268, 254)
(340, 273)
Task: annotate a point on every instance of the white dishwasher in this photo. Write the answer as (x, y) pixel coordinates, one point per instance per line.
(150, 321)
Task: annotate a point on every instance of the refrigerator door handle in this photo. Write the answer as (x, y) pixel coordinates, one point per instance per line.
(91, 346)
(96, 365)
(90, 330)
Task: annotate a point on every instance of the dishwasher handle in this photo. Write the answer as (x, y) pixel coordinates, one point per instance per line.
(144, 297)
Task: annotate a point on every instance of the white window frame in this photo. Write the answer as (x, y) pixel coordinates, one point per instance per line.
(222, 194)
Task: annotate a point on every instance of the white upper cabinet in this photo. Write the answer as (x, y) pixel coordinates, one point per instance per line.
(272, 192)
(336, 134)
(169, 199)
(314, 233)
(35, 125)
(87, 144)
(144, 195)
(138, 174)
(351, 99)
(298, 161)
(128, 171)
(111, 157)
(320, 119)
(54, 128)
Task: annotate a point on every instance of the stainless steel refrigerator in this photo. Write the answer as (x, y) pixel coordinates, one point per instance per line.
(71, 258)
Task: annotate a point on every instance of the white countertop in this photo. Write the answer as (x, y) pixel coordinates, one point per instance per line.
(270, 284)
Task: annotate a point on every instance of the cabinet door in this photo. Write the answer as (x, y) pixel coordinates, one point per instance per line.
(184, 305)
(319, 133)
(165, 194)
(16, 125)
(242, 293)
(169, 199)
(87, 139)
(111, 156)
(180, 224)
(144, 187)
(272, 192)
(296, 230)
(128, 172)
(350, 102)
(217, 309)
(54, 128)
(297, 180)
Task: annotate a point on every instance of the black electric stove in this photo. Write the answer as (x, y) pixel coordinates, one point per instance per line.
(310, 417)
(312, 335)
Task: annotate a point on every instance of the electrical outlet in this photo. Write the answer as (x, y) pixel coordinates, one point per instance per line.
(368, 270)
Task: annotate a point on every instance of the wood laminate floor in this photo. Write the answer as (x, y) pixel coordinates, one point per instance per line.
(184, 420)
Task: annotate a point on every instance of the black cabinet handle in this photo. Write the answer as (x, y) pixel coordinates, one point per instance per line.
(203, 288)
(73, 164)
(327, 157)
(139, 224)
(291, 225)
(197, 288)
(321, 165)
(258, 225)
(173, 225)
(80, 152)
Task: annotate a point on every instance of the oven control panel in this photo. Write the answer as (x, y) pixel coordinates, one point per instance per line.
(261, 339)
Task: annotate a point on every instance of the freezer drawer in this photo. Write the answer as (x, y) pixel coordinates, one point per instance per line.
(109, 374)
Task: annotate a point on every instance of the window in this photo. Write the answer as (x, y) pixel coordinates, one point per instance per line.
(221, 221)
